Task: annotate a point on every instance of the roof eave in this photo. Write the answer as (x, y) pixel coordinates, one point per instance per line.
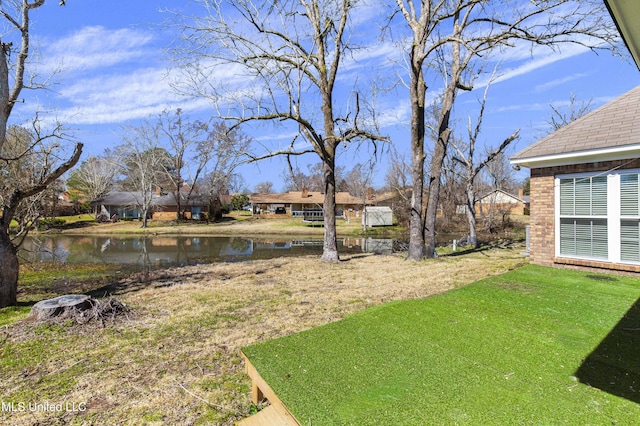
(625, 14)
(579, 157)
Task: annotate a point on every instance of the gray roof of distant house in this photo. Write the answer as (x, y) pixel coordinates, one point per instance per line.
(129, 199)
(614, 125)
(118, 198)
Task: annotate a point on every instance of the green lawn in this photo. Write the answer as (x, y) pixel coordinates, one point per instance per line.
(519, 348)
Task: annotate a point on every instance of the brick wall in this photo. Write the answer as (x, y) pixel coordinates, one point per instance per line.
(542, 235)
(542, 238)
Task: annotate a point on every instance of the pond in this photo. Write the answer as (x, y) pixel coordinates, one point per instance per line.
(166, 251)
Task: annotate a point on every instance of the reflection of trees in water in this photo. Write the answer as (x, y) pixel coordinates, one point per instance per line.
(144, 254)
(36, 248)
(163, 251)
(240, 245)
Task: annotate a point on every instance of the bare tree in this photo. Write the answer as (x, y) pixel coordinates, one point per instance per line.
(179, 136)
(143, 165)
(16, 18)
(297, 180)
(449, 36)
(560, 117)
(29, 158)
(358, 183)
(94, 178)
(288, 54)
(452, 191)
(472, 167)
(499, 172)
(234, 184)
(220, 154)
(265, 187)
(398, 181)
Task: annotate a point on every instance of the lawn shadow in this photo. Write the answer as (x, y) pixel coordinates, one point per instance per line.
(146, 279)
(614, 366)
(25, 304)
(485, 246)
(468, 250)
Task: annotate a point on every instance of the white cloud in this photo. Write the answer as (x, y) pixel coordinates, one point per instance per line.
(523, 107)
(97, 47)
(383, 54)
(119, 98)
(542, 60)
(511, 65)
(111, 77)
(559, 82)
(394, 113)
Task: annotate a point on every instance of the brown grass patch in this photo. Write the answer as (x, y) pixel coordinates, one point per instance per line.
(176, 361)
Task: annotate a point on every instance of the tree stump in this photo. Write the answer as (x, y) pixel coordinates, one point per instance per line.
(63, 306)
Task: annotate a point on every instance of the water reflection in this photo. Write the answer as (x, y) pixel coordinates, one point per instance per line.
(180, 250)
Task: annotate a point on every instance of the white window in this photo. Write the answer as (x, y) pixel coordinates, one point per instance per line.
(629, 218)
(583, 217)
(598, 216)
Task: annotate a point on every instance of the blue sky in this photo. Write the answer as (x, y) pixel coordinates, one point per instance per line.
(110, 64)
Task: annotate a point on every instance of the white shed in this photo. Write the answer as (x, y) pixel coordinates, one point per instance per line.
(377, 216)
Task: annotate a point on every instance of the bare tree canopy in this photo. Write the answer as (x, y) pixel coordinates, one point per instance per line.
(180, 135)
(398, 181)
(472, 165)
(286, 57)
(95, 176)
(312, 180)
(561, 116)
(456, 38)
(220, 154)
(265, 187)
(143, 165)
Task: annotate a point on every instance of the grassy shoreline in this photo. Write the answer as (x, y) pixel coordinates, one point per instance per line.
(232, 224)
(175, 359)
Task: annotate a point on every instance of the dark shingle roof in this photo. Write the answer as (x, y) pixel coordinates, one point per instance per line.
(615, 124)
(134, 198)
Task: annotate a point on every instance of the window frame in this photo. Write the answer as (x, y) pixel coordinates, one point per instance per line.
(614, 216)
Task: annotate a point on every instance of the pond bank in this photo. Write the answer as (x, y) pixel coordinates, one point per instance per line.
(229, 225)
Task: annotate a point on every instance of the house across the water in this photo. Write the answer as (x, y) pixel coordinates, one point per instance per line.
(305, 204)
(128, 204)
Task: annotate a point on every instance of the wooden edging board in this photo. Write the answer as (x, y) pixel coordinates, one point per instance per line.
(261, 390)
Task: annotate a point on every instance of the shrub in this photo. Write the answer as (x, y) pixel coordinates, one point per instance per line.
(50, 223)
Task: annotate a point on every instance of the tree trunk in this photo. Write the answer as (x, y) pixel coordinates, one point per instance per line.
(440, 151)
(471, 216)
(8, 271)
(5, 104)
(433, 199)
(330, 245)
(416, 222)
(144, 218)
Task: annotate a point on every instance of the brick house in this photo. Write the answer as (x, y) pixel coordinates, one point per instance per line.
(127, 204)
(585, 190)
(295, 203)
